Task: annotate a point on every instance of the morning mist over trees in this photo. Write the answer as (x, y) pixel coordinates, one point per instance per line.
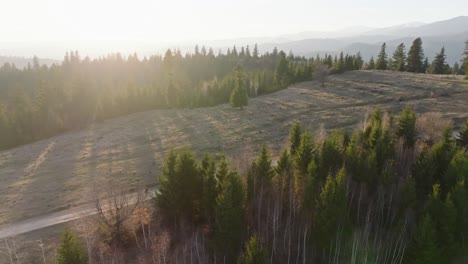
(247, 132)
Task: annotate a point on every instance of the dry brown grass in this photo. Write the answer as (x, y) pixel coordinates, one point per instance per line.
(58, 173)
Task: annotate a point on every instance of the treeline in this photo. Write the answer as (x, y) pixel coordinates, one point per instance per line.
(40, 101)
(388, 193)
(415, 60)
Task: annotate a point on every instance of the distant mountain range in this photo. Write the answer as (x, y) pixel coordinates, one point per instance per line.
(451, 34)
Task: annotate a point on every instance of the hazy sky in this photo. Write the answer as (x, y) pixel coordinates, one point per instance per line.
(177, 20)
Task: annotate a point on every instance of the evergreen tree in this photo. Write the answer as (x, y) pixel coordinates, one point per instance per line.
(302, 159)
(340, 65)
(424, 248)
(295, 137)
(284, 171)
(255, 51)
(239, 96)
(168, 191)
(282, 73)
(180, 195)
(439, 65)
(70, 250)
(331, 220)
(208, 170)
(229, 225)
(381, 63)
(407, 126)
(358, 62)
(415, 57)
(399, 58)
(260, 175)
(254, 254)
(304, 153)
(264, 170)
(371, 64)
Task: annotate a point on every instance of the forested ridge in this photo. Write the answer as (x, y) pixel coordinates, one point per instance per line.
(40, 101)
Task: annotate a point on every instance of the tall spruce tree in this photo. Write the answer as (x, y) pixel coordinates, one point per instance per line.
(399, 58)
(416, 57)
(439, 65)
(382, 62)
(180, 195)
(239, 97)
(331, 221)
(229, 214)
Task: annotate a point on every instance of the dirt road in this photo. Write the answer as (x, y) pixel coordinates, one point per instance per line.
(64, 216)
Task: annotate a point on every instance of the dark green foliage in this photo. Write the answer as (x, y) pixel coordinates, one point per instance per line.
(260, 175)
(264, 170)
(284, 170)
(459, 197)
(180, 195)
(304, 152)
(432, 167)
(331, 211)
(382, 62)
(399, 58)
(295, 137)
(329, 156)
(229, 213)
(70, 250)
(369, 153)
(439, 66)
(254, 253)
(407, 127)
(415, 57)
(424, 248)
(210, 191)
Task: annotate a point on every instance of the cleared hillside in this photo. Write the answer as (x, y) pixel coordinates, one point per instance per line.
(60, 172)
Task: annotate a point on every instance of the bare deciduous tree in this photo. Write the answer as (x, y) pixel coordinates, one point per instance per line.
(321, 73)
(114, 207)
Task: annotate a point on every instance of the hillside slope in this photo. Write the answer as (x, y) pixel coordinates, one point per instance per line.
(59, 173)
